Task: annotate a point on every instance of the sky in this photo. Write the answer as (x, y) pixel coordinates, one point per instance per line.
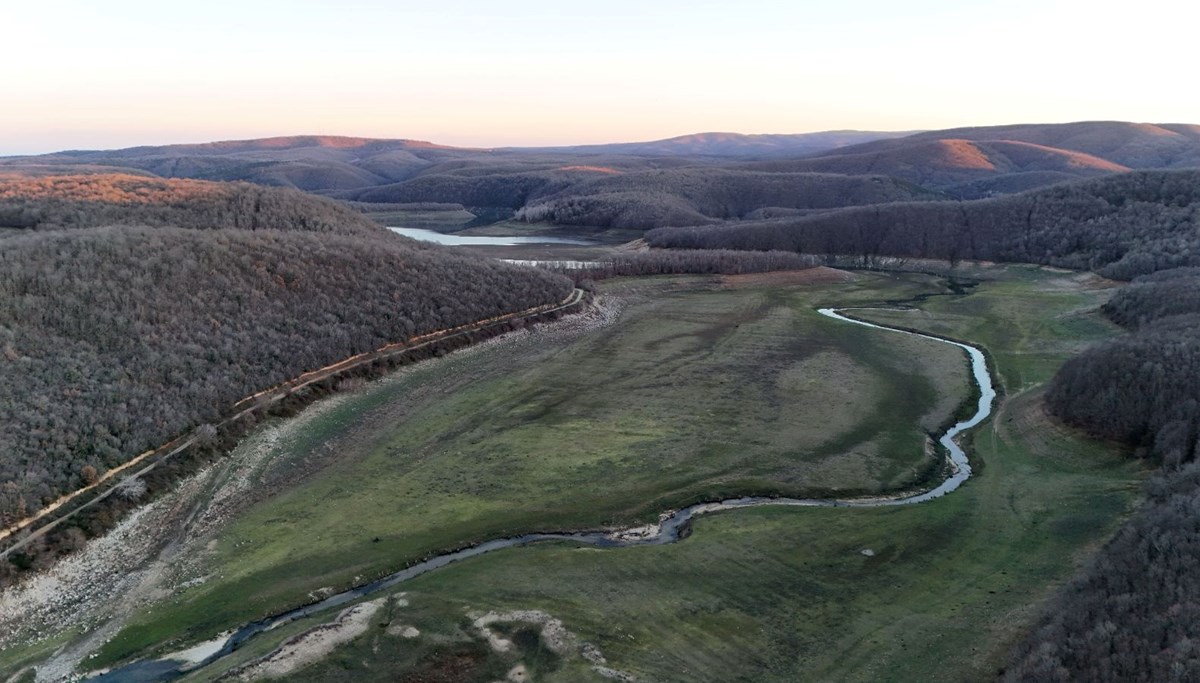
(99, 75)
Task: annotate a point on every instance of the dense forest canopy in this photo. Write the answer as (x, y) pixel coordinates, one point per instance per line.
(1132, 616)
(1122, 226)
(1133, 145)
(1142, 388)
(84, 201)
(963, 168)
(115, 339)
(1134, 613)
(1157, 295)
(682, 262)
(639, 199)
(648, 199)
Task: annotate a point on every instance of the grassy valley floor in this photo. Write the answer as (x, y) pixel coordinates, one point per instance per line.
(696, 388)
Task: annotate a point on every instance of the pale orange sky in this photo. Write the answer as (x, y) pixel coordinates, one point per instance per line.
(470, 72)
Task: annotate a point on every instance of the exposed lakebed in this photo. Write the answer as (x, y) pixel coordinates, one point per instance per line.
(672, 527)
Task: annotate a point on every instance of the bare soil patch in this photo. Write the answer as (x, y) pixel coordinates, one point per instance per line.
(313, 645)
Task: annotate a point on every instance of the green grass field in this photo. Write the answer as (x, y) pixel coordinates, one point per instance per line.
(785, 595)
(698, 391)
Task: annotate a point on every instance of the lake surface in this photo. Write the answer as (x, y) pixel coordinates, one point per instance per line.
(481, 240)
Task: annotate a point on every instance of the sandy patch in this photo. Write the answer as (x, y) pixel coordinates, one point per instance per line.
(517, 674)
(555, 637)
(402, 631)
(199, 653)
(313, 645)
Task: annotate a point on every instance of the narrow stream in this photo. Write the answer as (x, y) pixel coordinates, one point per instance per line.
(671, 528)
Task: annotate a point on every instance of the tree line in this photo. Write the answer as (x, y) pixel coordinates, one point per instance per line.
(84, 201)
(639, 199)
(1121, 226)
(1133, 614)
(683, 262)
(115, 339)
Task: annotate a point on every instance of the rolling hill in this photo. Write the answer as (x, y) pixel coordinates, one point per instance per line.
(605, 197)
(561, 183)
(331, 163)
(84, 201)
(1135, 145)
(1122, 226)
(310, 163)
(134, 309)
(960, 167)
(734, 145)
(977, 162)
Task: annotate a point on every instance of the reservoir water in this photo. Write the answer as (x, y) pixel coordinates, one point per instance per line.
(484, 240)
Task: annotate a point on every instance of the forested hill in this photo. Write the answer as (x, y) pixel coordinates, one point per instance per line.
(678, 181)
(1132, 145)
(1122, 226)
(1133, 613)
(84, 201)
(115, 339)
(732, 145)
(640, 199)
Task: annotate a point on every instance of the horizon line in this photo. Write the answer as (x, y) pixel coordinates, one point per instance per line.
(489, 148)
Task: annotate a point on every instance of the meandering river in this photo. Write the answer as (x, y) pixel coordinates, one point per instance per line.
(671, 528)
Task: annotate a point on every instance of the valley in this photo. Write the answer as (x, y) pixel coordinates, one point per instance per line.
(592, 425)
(621, 342)
(715, 467)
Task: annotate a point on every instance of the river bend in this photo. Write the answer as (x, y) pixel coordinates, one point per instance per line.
(671, 527)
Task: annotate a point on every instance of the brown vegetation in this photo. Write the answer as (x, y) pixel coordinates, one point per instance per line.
(963, 168)
(1132, 145)
(685, 262)
(1122, 226)
(1134, 613)
(83, 201)
(692, 196)
(115, 339)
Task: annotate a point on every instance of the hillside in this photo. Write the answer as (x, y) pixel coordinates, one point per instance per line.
(961, 167)
(1141, 389)
(646, 199)
(607, 197)
(115, 339)
(989, 160)
(628, 185)
(84, 201)
(733, 145)
(1135, 145)
(310, 163)
(1122, 226)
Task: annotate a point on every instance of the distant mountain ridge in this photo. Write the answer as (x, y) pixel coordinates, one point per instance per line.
(1133, 145)
(959, 163)
(730, 144)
